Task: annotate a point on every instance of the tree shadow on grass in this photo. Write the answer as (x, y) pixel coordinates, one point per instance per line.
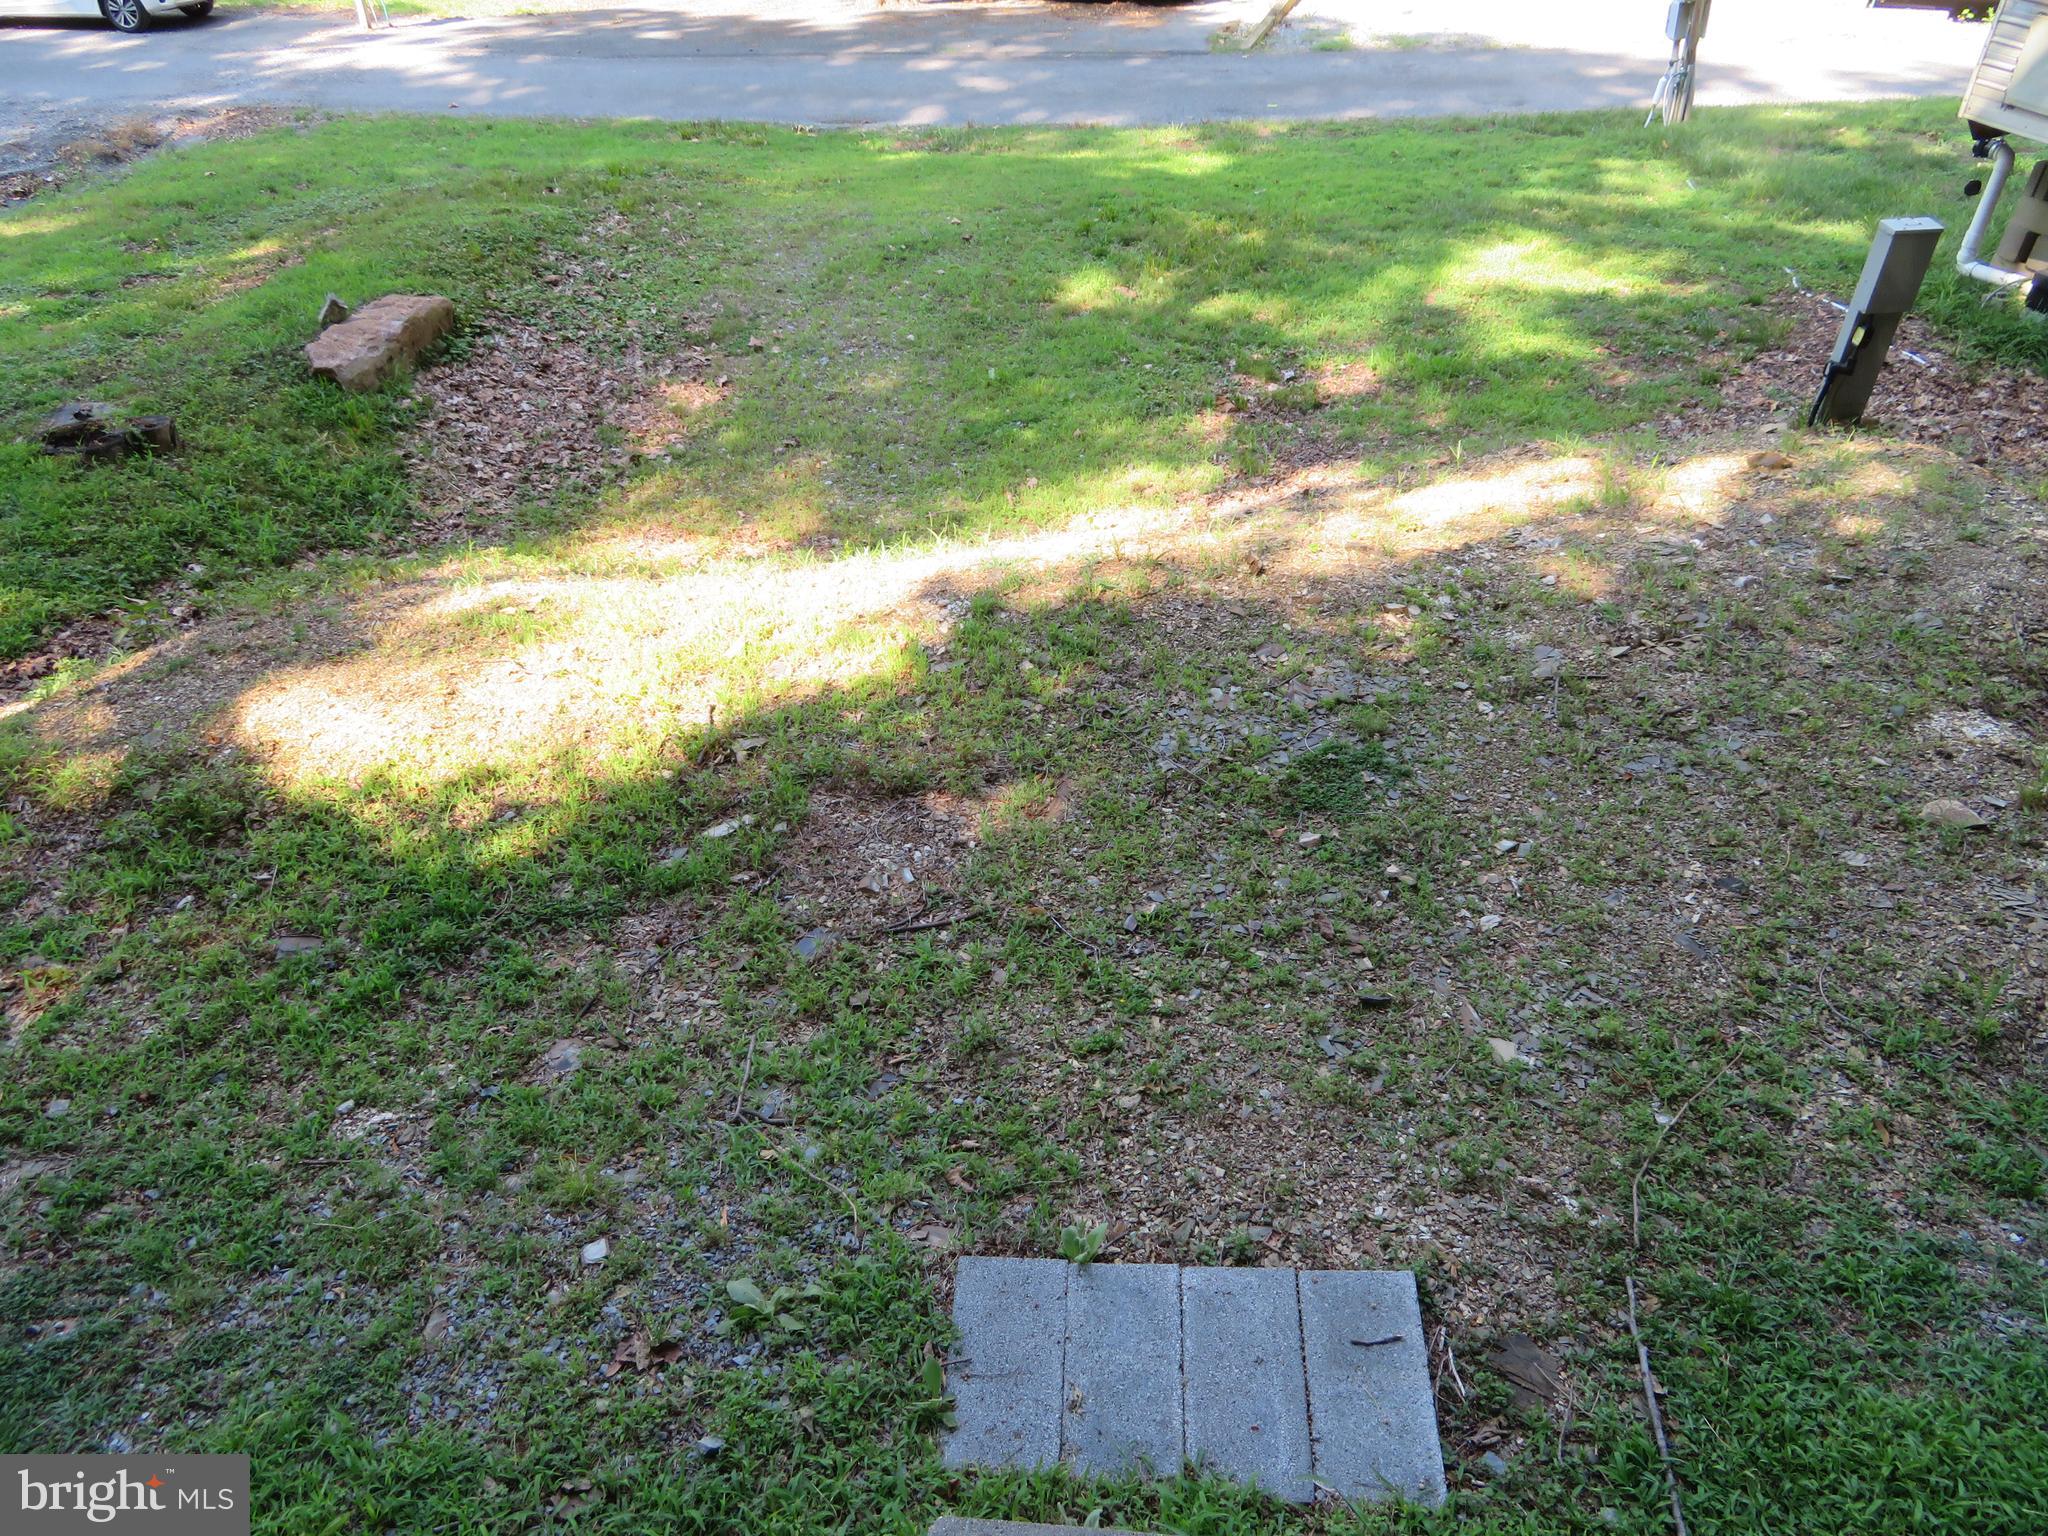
(1068, 343)
(458, 924)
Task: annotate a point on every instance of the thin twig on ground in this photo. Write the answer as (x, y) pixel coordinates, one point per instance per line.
(1656, 1414)
(1451, 1365)
(924, 924)
(1053, 918)
(739, 1100)
(1635, 1199)
(794, 1160)
(1635, 1189)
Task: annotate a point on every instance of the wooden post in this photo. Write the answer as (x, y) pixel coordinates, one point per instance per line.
(1273, 19)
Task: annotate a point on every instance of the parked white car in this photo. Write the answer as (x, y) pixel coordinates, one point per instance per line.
(122, 15)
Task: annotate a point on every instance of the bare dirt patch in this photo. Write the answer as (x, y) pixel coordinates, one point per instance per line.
(87, 640)
(862, 863)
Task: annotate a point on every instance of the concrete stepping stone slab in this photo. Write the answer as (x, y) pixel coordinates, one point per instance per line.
(1291, 1381)
(1123, 1388)
(1247, 1404)
(1369, 1396)
(1007, 1390)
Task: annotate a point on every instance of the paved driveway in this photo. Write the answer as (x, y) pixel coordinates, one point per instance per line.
(831, 61)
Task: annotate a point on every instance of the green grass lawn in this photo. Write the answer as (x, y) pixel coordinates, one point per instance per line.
(1249, 591)
(970, 329)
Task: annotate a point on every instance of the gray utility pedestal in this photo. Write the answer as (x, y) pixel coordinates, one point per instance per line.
(1289, 1380)
(1892, 274)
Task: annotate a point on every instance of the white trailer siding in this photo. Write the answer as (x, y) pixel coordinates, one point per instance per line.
(2009, 91)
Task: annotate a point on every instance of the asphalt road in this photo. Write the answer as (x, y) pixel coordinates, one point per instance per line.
(924, 66)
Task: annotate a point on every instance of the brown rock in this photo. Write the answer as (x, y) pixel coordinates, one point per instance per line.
(385, 333)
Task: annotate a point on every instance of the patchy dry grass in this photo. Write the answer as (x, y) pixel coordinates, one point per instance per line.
(1356, 876)
(1354, 857)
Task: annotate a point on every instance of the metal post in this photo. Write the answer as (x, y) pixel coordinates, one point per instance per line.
(1684, 23)
(1892, 275)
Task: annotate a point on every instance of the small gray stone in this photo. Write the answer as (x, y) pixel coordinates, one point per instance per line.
(596, 1252)
(562, 1058)
(817, 942)
(1493, 1464)
(56, 1109)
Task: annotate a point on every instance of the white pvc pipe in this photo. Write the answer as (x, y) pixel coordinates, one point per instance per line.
(1968, 260)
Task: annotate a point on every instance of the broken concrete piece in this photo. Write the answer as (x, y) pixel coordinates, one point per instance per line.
(385, 334)
(333, 311)
(74, 421)
(86, 429)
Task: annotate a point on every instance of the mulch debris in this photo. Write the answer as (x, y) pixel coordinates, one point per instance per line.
(1982, 413)
(531, 412)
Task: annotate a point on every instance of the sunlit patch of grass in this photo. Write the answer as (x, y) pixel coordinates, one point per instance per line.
(960, 330)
